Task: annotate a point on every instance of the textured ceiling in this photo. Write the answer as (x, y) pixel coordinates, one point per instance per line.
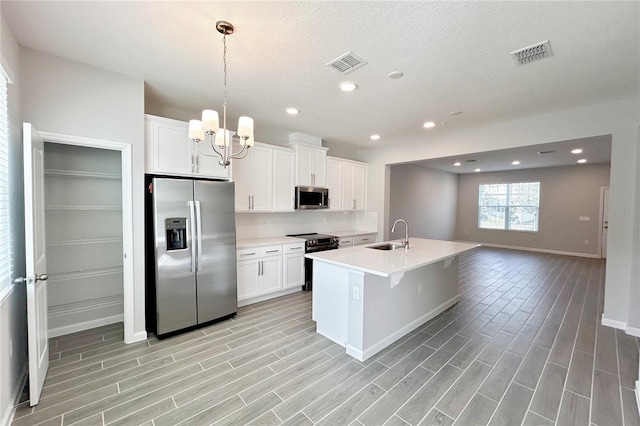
(454, 56)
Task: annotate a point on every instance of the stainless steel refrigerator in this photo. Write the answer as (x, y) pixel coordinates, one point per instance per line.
(191, 278)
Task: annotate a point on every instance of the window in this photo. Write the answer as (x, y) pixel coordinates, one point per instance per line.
(510, 206)
(6, 269)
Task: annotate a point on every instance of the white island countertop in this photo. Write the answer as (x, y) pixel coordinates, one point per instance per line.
(385, 263)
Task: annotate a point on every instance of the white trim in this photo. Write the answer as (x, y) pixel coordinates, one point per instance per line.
(367, 353)
(140, 336)
(633, 331)
(20, 384)
(601, 217)
(638, 394)
(87, 325)
(534, 249)
(262, 298)
(130, 334)
(613, 323)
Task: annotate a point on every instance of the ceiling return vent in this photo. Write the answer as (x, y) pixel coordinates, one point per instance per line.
(545, 152)
(473, 160)
(347, 63)
(532, 53)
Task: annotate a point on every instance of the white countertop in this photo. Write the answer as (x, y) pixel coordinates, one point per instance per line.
(349, 233)
(258, 242)
(385, 263)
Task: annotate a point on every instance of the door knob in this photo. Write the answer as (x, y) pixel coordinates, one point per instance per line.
(20, 280)
(42, 277)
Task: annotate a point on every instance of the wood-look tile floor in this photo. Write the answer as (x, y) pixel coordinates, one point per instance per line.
(523, 346)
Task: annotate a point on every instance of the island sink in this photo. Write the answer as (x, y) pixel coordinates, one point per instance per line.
(386, 246)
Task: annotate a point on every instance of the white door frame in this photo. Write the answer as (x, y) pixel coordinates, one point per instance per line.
(127, 215)
(601, 217)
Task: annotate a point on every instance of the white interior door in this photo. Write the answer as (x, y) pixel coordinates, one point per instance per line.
(605, 221)
(36, 259)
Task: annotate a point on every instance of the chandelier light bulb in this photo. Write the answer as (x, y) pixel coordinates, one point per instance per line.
(195, 130)
(210, 121)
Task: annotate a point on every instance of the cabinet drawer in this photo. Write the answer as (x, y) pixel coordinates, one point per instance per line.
(346, 241)
(294, 248)
(248, 253)
(271, 251)
(364, 239)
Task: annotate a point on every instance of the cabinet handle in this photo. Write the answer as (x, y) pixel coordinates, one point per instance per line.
(252, 203)
(272, 251)
(192, 163)
(313, 178)
(249, 197)
(261, 267)
(354, 204)
(249, 254)
(295, 248)
(197, 162)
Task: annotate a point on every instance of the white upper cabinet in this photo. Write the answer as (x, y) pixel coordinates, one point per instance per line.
(347, 187)
(264, 179)
(311, 165)
(253, 178)
(334, 183)
(283, 182)
(169, 151)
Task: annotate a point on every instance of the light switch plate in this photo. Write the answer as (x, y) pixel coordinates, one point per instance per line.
(583, 218)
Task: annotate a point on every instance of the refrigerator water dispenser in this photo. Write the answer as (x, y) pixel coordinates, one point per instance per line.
(176, 229)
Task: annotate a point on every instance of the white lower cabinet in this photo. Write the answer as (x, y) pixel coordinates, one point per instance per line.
(357, 240)
(294, 269)
(268, 270)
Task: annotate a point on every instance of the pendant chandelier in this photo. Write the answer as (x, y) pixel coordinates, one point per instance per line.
(221, 138)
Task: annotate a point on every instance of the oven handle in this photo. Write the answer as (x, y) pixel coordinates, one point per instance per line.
(323, 248)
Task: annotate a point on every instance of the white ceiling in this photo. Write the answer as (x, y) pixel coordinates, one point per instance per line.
(595, 150)
(454, 56)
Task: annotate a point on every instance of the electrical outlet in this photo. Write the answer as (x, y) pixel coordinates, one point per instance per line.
(10, 348)
(420, 288)
(356, 293)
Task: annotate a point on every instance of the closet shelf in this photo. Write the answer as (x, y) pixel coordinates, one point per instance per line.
(81, 174)
(87, 273)
(83, 208)
(84, 241)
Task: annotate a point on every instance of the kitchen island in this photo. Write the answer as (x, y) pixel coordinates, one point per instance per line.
(365, 299)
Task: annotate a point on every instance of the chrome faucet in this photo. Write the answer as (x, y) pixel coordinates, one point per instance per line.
(405, 240)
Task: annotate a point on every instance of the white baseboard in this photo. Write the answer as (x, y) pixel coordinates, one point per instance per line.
(633, 331)
(20, 384)
(613, 323)
(533, 249)
(252, 300)
(638, 394)
(137, 337)
(366, 353)
(73, 328)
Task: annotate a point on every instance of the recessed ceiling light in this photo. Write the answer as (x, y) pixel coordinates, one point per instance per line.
(348, 86)
(476, 170)
(582, 160)
(429, 124)
(375, 137)
(576, 151)
(456, 164)
(292, 111)
(515, 163)
(455, 113)
(395, 75)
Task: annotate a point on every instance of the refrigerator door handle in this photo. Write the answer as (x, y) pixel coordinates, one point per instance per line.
(192, 220)
(199, 233)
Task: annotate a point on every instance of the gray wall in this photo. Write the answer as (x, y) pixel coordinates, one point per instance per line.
(565, 194)
(426, 199)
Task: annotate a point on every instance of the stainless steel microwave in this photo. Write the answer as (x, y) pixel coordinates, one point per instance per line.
(311, 198)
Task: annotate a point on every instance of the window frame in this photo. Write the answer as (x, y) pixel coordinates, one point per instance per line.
(6, 237)
(507, 207)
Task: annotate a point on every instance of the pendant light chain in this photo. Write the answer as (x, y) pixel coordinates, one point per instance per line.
(224, 102)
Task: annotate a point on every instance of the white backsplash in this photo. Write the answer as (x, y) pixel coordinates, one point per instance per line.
(263, 225)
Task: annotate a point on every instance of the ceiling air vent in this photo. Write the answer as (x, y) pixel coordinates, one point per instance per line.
(545, 152)
(347, 63)
(473, 160)
(532, 53)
